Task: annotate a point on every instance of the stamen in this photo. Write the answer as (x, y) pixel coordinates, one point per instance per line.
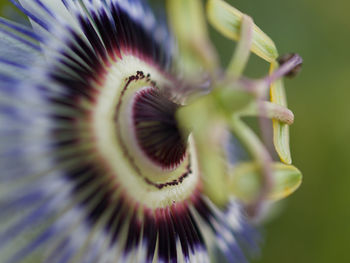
(290, 56)
(290, 65)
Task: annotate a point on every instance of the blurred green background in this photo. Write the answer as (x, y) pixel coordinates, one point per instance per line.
(314, 225)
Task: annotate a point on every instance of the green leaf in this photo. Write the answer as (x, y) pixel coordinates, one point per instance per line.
(227, 20)
(287, 179)
(246, 181)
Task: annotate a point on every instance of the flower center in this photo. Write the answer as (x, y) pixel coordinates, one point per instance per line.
(137, 138)
(156, 128)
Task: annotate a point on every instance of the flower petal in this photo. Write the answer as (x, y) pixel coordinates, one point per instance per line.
(47, 11)
(68, 184)
(18, 49)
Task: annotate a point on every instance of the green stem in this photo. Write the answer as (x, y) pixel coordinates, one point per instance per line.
(241, 56)
(258, 151)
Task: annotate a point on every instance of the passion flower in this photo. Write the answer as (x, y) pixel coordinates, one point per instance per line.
(114, 138)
